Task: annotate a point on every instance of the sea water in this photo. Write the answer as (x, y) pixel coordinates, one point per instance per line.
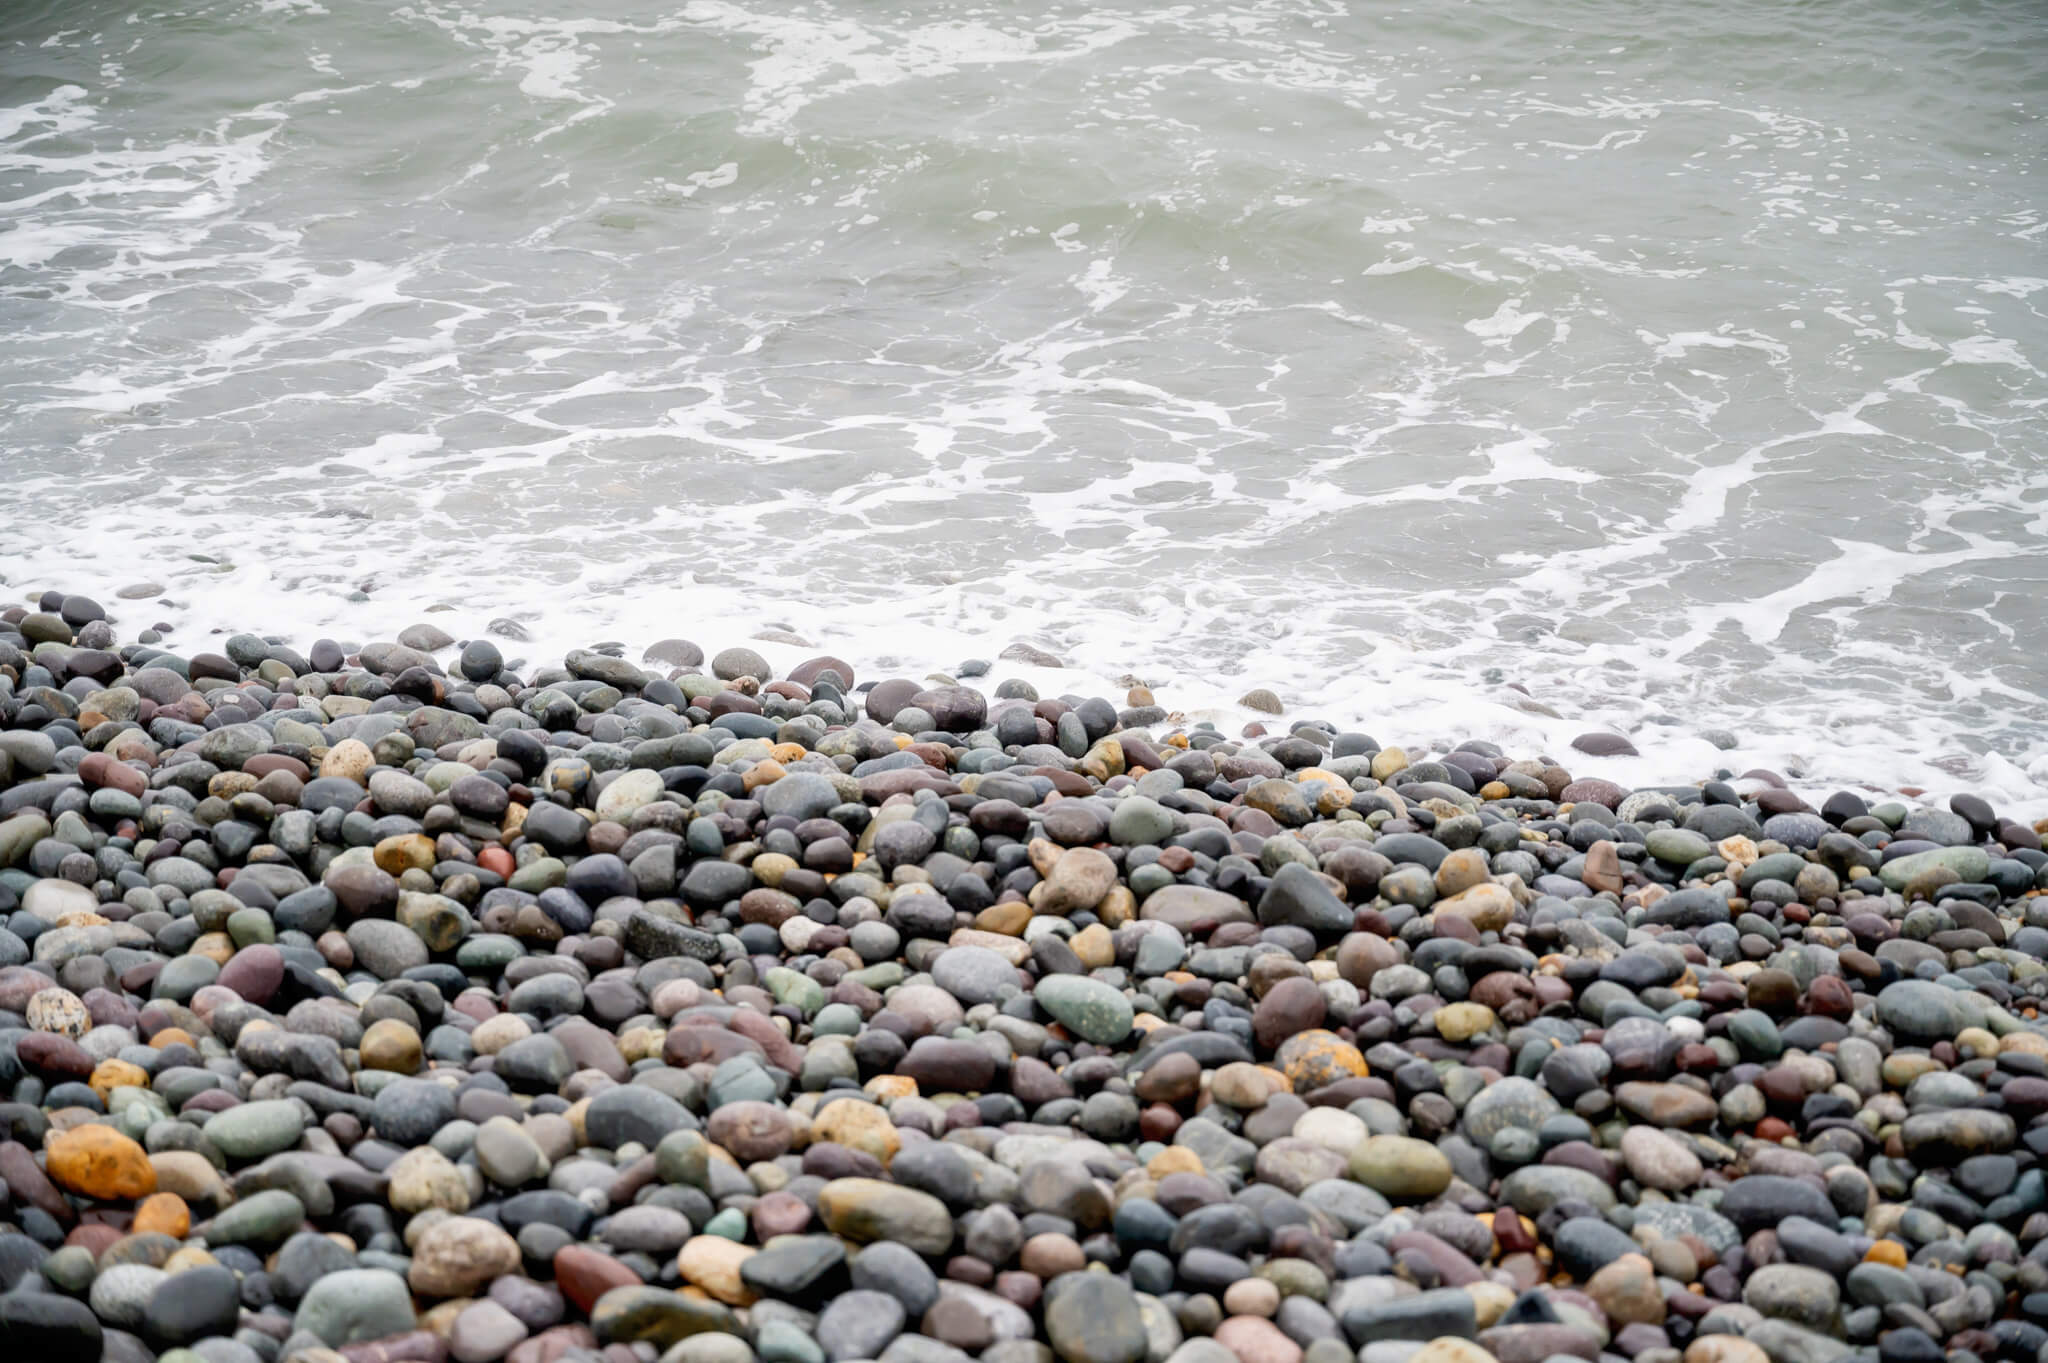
(1451, 369)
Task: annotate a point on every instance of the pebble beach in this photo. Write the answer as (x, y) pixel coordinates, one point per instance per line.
(407, 1000)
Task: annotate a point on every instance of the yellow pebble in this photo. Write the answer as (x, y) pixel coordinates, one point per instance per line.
(1975, 1043)
(1174, 1159)
(1460, 1022)
(111, 1074)
(1490, 1302)
(188, 1256)
(1092, 944)
(217, 947)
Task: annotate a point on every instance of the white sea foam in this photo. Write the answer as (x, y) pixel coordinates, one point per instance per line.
(1228, 346)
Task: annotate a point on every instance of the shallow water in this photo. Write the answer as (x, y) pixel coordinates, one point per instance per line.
(1679, 365)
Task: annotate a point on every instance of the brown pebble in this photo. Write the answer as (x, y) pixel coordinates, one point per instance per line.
(1602, 868)
(97, 1238)
(779, 1213)
(336, 951)
(965, 1268)
(1019, 1287)
(1828, 996)
(1172, 1078)
(1158, 1123)
(1050, 1255)
(1773, 991)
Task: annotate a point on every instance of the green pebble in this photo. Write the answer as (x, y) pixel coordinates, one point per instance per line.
(795, 989)
(542, 873)
(71, 1269)
(1970, 864)
(1148, 879)
(683, 1157)
(370, 1083)
(1756, 1034)
(880, 977)
(836, 1019)
(264, 1218)
(1090, 1009)
(1677, 846)
(249, 927)
(488, 953)
(778, 1341)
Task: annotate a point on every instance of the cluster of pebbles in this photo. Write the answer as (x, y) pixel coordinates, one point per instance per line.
(399, 1002)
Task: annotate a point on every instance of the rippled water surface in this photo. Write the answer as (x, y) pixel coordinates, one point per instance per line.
(1450, 368)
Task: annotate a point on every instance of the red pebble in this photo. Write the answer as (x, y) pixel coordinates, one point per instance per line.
(584, 1275)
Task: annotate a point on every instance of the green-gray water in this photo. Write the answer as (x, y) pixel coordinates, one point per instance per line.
(1682, 365)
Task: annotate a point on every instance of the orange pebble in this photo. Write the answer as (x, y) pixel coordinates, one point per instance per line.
(165, 1212)
(1888, 1252)
(111, 1074)
(98, 1162)
(173, 1036)
(762, 774)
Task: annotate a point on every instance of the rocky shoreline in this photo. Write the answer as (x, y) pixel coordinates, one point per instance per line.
(393, 1002)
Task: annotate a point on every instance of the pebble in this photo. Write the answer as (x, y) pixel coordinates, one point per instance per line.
(735, 1017)
(1658, 1160)
(485, 1331)
(199, 1303)
(251, 1131)
(1400, 1167)
(1093, 1318)
(861, 1324)
(459, 1256)
(355, 1305)
(1090, 1009)
(98, 1162)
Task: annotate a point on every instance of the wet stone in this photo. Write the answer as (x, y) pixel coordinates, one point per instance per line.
(490, 1009)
